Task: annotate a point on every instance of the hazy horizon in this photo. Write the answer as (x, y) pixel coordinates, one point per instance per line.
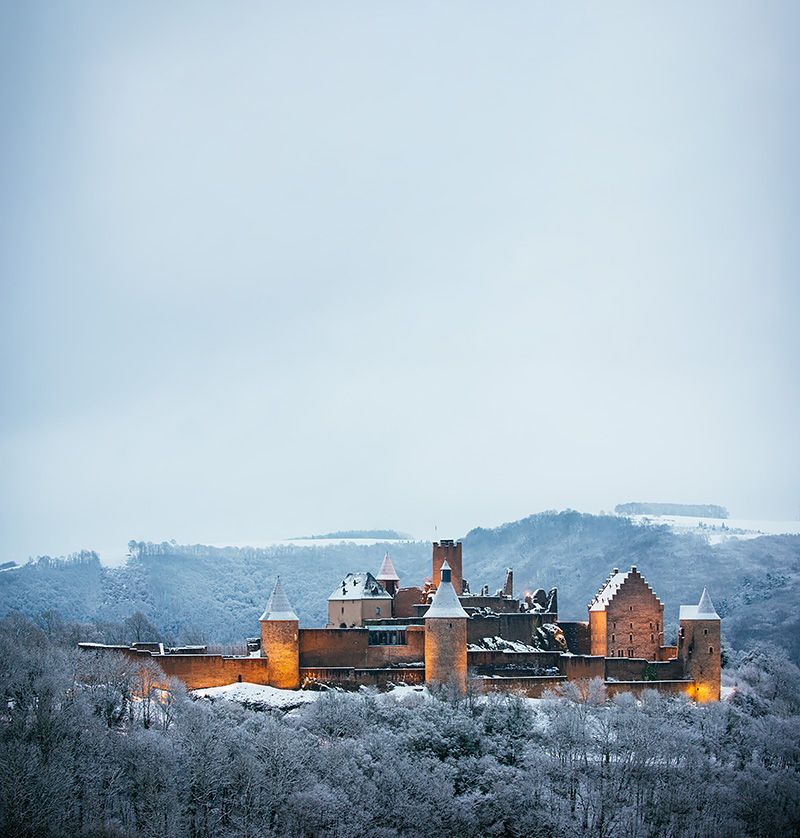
(269, 271)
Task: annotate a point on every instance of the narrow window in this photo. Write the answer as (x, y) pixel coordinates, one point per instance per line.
(630, 608)
(710, 650)
(652, 638)
(343, 609)
(613, 638)
(377, 611)
(656, 626)
(651, 625)
(631, 625)
(631, 636)
(705, 631)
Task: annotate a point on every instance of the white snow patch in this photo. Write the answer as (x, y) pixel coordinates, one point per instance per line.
(717, 530)
(259, 695)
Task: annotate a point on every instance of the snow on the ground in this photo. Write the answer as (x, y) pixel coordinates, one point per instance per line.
(717, 530)
(259, 695)
(262, 697)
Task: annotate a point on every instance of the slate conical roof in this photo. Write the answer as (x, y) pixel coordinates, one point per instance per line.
(278, 607)
(387, 573)
(704, 610)
(445, 602)
(705, 607)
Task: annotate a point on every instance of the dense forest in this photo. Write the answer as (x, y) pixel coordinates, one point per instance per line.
(97, 745)
(200, 594)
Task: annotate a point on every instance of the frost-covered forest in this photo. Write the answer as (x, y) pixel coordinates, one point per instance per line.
(91, 745)
(200, 594)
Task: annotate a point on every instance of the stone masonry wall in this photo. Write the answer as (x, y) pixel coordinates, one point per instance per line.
(634, 621)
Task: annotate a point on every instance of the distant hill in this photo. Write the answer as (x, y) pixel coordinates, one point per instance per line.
(196, 593)
(383, 535)
(695, 510)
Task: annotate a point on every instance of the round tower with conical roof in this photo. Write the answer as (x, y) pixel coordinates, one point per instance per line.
(699, 647)
(280, 632)
(446, 636)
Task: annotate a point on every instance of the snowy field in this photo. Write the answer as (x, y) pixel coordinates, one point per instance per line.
(717, 530)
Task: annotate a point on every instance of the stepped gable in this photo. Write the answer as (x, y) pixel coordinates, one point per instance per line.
(609, 589)
(387, 573)
(278, 607)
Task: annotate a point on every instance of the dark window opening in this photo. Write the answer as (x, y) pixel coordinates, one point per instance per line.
(710, 650)
(387, 637)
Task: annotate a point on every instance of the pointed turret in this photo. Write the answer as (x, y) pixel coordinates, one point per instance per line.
(278, 607)
(445, 602)
(280, 640)
(705, 607)
(387, 576)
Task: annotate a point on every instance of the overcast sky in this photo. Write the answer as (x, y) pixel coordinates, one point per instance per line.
(272, 269)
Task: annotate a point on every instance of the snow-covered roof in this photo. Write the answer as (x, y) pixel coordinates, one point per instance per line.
(359, 586)
(704, 610)
(445, 601)
(604, 596)
(387, 573)
(278, 607)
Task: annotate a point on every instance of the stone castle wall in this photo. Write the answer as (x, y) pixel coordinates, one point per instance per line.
(328, 648)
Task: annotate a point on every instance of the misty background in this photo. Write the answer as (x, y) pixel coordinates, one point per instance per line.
(268, 271)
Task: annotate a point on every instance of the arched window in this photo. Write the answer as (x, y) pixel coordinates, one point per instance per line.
(710, 650)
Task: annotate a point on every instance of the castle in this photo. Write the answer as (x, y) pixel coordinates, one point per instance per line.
(440, 632)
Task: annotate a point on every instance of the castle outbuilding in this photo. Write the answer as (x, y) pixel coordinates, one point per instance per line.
(358, 598)
(280, 640)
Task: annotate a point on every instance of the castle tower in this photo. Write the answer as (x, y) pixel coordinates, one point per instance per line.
(699, 647)
(280, 640)
(388, 577)
(448, 551)
(446, 635)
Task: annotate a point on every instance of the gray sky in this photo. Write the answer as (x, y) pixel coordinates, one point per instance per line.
(271, 269)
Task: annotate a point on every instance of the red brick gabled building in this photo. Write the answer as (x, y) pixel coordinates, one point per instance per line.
(626, 619)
